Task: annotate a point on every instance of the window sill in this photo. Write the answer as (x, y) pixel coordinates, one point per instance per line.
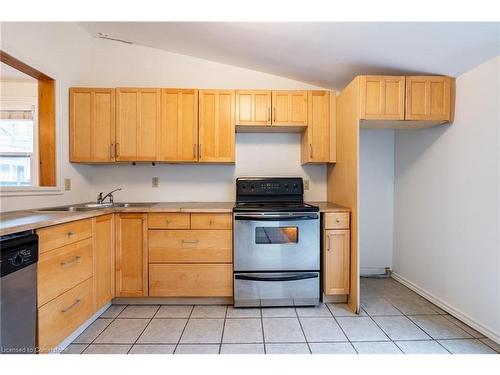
(29, 191)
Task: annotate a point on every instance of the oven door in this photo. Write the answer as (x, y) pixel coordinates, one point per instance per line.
(276, 242)
(276, 289)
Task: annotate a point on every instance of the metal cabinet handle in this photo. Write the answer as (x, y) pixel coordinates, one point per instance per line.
(71, 233)
(190, 241)
(310, 151)
(70, 262)
(73, 305)
(199, 151)
(274, 114)
(268, 114)
(194, 151)
(117, 149)
(328, 243)
(337, 220)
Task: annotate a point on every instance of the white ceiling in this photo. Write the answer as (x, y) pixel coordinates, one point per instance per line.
(323, 54)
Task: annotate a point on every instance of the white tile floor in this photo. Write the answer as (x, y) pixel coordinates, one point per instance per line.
(393, 320)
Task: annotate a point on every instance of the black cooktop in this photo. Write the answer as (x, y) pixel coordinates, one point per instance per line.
(274, 207)
(274, 194)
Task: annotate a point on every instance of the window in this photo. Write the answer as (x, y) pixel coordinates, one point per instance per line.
(17, 147)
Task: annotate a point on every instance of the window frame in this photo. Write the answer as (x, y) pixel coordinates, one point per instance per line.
(49, 112)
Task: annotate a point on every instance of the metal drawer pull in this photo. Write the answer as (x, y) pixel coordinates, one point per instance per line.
(190, 241)
(76, 303)
(70, 262)
(327, 243)
(71, 233)
(277, 278)
(337, 220)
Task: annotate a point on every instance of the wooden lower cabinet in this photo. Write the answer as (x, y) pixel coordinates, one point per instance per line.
(190, 246)
(50, 238)
(190, 280)
(131, 258)
(336, 261)
(61, 316)
(104, 266)
(61, 269)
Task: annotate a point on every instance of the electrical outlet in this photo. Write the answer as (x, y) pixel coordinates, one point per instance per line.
(155, 182)
(67, 184)
(306, 184)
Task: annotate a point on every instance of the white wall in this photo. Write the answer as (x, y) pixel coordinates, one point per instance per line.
(376, 212)
(67, 53)
(447, 204)
(60, 50)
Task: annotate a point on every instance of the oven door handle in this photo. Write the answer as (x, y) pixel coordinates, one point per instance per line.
(276, 217)
(302, 276)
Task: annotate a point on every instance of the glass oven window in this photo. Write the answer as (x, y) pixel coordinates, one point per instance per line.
(276, 235)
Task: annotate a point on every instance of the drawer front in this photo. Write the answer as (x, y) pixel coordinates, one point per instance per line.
(61, 316)
(211, 221)
(190, 246)
(61, 269)
(190, 280)
(168, 220)
(337, 220)
(59, 235)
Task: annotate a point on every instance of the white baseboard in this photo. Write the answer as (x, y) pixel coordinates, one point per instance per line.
(68, 340)
(488, 332)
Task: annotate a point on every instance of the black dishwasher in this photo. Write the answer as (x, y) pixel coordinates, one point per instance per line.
(18, 271)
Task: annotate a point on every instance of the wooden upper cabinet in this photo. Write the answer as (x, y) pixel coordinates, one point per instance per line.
(429, 98)
(382, 97)
(138, 124)
(315, 144)
(253, 107)
(179, 125)
(289, 108)
(92, 125)
(104, 256)
(216, 126)
(131, 258)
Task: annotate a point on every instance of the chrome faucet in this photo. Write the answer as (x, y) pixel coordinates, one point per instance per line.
(101, 198)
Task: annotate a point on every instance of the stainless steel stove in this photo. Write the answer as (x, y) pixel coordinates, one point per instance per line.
(276, 244)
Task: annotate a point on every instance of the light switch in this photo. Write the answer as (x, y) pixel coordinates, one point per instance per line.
(155, 182)
(306, 184)
(67, 184)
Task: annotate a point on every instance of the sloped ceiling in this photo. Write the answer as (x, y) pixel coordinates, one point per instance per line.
(323, 54)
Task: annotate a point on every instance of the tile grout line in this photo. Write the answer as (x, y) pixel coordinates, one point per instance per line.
(147, 325)
(223, 328)
(302, 329)
(262, 326)
(342, 329)
(100, 333)
(183, 329)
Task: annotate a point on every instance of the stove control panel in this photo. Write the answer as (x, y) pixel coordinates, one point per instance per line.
(269, 186)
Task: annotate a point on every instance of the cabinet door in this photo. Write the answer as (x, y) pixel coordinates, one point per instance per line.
(137, 124)
(336, 262)
(428, 98)
(217, 126)
(131, 277)
(179, 125)
(382, 97)
(289, 108)
(253, 107)
(104, 267)
(316, 139)
(92, 125)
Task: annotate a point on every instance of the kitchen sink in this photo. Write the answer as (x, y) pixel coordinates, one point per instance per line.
(93, 206)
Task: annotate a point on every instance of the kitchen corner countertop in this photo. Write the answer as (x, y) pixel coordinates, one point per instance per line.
(18, 221)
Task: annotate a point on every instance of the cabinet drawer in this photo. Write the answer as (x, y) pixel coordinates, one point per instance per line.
(168, 220)
(211, 221)
(61, 269)
(190, 280)
(61, 316)
(190, 246)
(63, 234)
(337, 220)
